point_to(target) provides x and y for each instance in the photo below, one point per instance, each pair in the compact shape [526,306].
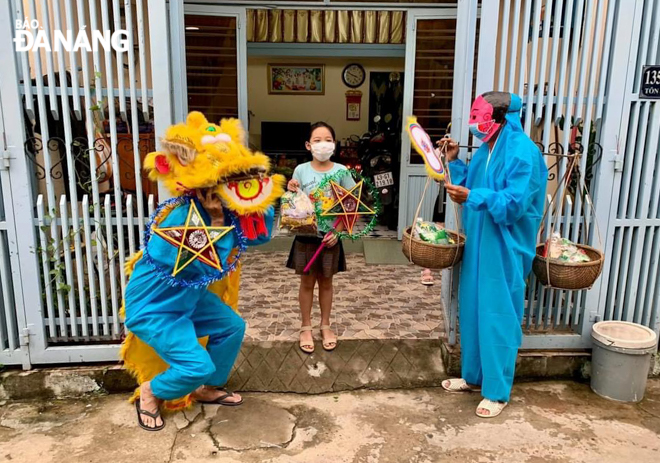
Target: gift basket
[559,262]
[431,246]
[562,264]
[424,243]
[297,214]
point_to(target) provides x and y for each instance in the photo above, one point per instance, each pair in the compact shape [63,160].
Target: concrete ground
[546,422]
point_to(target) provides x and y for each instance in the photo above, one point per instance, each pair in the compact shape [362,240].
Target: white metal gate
[630,290]
[74,200]
[77,125]
[576,64]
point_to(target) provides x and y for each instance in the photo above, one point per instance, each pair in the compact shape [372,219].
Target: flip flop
[494,408]
[141,412]
[221,400]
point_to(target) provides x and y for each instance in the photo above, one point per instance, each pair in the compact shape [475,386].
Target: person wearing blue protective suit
[502,191]
[170,318]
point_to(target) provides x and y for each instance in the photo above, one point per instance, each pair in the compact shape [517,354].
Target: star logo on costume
[348,205]
[195,240]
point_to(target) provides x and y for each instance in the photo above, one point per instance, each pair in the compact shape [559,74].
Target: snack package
[297,214]
[565,250]
[431,233]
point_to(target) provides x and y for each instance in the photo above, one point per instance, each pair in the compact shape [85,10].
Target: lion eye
[210,129]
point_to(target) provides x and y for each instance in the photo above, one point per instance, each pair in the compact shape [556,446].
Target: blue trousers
[171,324]
[491,311]
[490,337]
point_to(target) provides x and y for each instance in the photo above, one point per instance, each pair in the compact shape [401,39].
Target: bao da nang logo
[31,37]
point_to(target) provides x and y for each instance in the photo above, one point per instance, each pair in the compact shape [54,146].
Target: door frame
[409,170]
[13,306]
[179,76]
[239,11]
[22,272]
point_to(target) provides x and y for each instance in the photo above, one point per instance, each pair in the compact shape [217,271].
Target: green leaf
[63,287]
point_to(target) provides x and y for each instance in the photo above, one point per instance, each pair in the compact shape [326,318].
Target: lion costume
[180,304]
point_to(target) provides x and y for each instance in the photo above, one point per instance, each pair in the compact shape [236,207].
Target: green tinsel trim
[328,222]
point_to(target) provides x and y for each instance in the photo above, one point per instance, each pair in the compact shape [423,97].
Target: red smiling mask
[482,125]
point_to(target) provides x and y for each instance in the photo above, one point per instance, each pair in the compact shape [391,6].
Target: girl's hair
[318,125]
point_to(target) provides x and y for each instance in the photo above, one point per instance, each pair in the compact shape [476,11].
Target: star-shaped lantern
[195,240]
[348,205]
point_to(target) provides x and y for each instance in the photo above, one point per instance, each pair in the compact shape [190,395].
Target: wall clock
[353,75]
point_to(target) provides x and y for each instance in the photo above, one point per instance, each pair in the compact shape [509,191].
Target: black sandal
[221,400]
[141,412]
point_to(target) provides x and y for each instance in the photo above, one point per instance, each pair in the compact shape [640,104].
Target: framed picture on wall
[291,79]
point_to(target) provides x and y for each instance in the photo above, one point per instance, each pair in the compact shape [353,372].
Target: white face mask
[323,150]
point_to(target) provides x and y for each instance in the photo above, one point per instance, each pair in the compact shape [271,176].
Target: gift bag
[297,214]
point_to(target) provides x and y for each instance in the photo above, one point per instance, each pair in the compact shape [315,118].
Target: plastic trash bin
[621,359]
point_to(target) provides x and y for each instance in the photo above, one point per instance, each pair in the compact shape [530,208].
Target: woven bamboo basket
[433,256]
[570,276]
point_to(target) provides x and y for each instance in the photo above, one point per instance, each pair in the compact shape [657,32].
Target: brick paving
[371,301]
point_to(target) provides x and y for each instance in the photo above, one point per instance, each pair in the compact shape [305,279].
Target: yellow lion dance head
[198,154]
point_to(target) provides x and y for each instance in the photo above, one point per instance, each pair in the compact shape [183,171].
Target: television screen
[284,137]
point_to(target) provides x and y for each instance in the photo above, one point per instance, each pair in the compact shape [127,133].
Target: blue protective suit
[501,218]
[170,319]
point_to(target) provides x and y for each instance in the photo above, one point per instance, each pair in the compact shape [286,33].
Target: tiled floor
[371,301]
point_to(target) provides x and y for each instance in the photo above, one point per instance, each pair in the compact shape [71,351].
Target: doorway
[233,71]
[230,51]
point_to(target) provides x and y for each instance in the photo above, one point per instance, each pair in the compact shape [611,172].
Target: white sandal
[330,344]
[493,408]
[306,346]
[458,385]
